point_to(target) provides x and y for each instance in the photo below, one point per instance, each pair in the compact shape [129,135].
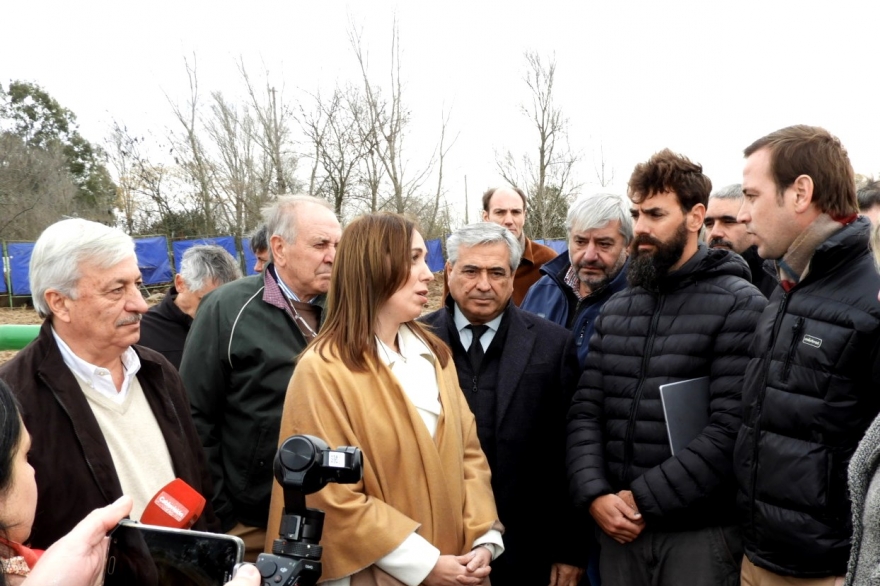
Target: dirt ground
[25,315]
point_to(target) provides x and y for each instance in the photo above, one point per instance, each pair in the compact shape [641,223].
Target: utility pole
[466,221]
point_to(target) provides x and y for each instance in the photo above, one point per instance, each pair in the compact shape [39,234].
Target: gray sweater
[864,487]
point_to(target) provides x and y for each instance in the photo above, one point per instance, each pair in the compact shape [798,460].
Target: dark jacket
[74,468]
[552,298]
[698,324]
[236,366]
[764,275]
[536,373]
[164,328]
[811,391]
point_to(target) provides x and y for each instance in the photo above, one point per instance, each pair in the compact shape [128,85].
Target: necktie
[475,352]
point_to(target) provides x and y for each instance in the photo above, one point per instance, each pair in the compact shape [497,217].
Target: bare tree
[313,124]
[230,128]
[235,155]
[435,220]
[120,145]
[603,175]
[372,172]
[332,127]
[386,123]
[546,173]
[190,152]
[274,134]
[151,195]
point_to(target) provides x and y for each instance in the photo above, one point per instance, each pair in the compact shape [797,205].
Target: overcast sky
[702,78]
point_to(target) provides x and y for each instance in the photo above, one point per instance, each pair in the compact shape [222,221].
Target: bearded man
[688,312]
[576,284]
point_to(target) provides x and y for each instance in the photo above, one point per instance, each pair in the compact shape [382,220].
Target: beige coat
[439,487]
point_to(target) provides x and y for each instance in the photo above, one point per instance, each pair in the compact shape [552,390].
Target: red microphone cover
[176,505]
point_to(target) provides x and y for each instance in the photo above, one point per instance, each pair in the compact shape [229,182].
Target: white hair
[63,247]
[733,191]
[596,211]
[480,234]
[206,264]
[280,215]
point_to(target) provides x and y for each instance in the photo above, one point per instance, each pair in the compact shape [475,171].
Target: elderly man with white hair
[106,417]
[165,326]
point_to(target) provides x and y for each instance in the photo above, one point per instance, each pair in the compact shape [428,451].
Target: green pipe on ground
[16,337]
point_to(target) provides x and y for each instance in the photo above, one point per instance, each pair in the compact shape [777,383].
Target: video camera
[304,465]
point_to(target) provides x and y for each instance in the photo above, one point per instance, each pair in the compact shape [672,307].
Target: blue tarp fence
[156,263]
[19,258]
[435,259]
[154,259]
[559,246]
[4,270]
[250,259]
[181,246]
[152,255]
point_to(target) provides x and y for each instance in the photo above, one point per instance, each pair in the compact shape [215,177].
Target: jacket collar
[842,247]
[274,296]
[704,263]
[168,309]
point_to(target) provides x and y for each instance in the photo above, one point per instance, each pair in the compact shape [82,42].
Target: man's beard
[648,268]
[596,283]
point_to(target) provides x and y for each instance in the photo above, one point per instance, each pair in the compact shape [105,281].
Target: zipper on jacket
[759,402]
[581,306]
[631,424]
[796,331]
[581,334]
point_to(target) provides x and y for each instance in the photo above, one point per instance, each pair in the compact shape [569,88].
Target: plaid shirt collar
[571,279]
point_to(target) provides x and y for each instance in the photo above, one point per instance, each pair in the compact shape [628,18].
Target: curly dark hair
[668,171]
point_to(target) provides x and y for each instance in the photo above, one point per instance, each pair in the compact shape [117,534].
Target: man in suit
[518,372]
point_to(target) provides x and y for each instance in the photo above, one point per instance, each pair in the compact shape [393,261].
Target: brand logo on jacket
[812,341]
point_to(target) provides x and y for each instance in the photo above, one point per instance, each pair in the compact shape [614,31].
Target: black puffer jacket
[810,393]
[700,323]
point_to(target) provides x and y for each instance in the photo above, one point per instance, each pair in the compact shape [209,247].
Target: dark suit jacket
[537,374]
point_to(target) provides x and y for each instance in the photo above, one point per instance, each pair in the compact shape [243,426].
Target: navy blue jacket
[552,299]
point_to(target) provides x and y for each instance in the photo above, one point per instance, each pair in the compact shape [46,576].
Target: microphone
[176,505]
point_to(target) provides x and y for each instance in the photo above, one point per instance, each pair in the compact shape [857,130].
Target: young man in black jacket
[689,312]
[811,389]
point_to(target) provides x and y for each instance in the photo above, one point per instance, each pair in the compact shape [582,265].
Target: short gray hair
[732,191]
[590,212]
[259,239]
[280,215]
[868,195]
[63,247]
[206,264]
[480,234]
